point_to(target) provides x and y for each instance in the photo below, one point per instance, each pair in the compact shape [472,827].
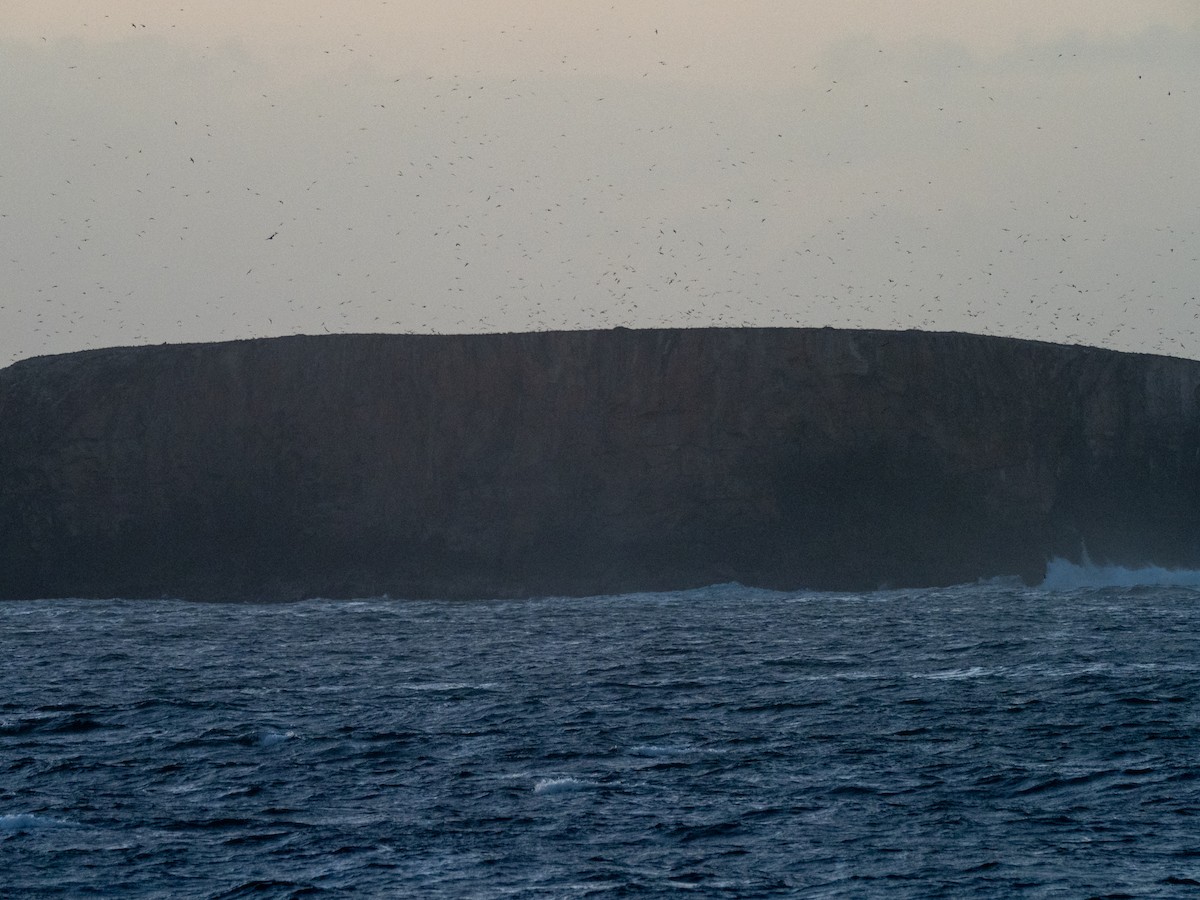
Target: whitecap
[957,674]
[561,785]
[656,750]
[1064,575]
[445,686]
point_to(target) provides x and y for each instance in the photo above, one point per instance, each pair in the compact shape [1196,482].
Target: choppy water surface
[988,741]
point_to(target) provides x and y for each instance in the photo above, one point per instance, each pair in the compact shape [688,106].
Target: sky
[182,171]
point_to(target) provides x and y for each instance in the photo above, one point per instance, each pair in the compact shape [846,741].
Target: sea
[988,740]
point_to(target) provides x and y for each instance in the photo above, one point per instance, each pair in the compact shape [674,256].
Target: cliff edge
[587,462]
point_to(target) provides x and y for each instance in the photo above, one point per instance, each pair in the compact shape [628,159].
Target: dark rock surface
[587,462]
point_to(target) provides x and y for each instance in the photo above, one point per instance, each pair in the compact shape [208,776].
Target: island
[588,462]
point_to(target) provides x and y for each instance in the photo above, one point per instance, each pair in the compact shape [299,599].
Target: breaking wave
[1064,575]
[561,785]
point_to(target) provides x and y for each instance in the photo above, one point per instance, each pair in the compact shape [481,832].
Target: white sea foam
[1063,575]
[561,785]
[957,674]
[656,750]
[446,686]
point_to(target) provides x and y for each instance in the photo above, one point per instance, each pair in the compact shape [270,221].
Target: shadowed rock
[587,462]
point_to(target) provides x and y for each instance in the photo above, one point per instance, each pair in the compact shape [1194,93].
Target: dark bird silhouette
[272,236]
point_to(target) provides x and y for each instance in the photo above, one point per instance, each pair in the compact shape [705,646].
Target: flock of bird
[417,202]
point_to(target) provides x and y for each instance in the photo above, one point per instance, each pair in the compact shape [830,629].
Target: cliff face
[587,462]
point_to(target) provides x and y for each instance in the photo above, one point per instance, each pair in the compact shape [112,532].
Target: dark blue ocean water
[984,741]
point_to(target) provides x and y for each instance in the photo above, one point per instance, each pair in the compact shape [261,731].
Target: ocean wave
[22,822]
[630,747]
[267,738]
[1064,575]
[657,750]
[561,785]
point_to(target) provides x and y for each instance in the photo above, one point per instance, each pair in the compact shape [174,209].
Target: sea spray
[1064,575]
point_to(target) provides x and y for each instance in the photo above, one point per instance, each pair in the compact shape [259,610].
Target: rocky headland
[587,462]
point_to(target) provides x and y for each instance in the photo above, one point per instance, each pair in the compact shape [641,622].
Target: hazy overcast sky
[193,171]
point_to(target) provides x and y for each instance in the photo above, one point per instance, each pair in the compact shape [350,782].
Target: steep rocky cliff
[587,462]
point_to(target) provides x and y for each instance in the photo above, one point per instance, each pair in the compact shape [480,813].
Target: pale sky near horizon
[207,171]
